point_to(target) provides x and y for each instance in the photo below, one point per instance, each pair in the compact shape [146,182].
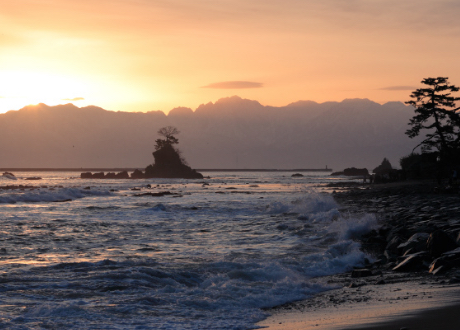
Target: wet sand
[412,303]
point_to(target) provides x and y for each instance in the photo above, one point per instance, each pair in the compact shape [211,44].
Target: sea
[168,253]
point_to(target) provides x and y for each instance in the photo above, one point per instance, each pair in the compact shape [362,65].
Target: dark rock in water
[62,200]
[34,178]
[336,173]
[282,227]
[168,164]
[353,171]
[122,175]
[361,273]
[137,174]
[440,242]
[99,175]
[297,175]
[86,175]
[158,194]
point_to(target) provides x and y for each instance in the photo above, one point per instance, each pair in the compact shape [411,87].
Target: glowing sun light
[18,89]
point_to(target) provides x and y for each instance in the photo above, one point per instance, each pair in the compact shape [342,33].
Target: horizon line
[120,169]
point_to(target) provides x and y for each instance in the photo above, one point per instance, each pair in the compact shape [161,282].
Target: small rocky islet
[168,163]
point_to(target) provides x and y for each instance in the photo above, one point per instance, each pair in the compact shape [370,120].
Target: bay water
[167,253]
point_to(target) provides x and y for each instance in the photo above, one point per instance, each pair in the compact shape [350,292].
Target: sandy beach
[387,299]
[412,303]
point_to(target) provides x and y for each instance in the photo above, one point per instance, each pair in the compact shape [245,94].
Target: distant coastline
[120,169]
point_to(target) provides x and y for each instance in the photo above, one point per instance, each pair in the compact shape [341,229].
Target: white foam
[354,227]
[61,194]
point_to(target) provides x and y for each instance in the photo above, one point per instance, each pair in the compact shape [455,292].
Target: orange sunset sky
[143,55]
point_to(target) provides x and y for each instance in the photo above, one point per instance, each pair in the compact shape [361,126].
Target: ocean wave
[40,196]
[311,202]
[224,295]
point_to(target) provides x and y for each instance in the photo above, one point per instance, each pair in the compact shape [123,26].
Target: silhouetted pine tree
[436,112]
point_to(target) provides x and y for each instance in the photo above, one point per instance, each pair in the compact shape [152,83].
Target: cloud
[74,99]
[398,88]
[234,85]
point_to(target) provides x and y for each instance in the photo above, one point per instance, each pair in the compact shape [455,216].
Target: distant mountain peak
[229,105]
[358,100]
[180,111]
[302,103]
[236,100]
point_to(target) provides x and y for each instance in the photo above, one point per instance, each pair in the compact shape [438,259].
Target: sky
[144,55]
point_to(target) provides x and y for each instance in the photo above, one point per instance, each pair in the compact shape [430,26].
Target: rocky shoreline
[420,227]
[408,271]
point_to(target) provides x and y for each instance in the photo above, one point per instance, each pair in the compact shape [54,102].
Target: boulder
[439,242]
[297,175]
[393,244]
[416,243]
[413,262]
[445,262]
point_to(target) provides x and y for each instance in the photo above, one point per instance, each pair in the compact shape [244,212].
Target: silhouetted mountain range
[230,133]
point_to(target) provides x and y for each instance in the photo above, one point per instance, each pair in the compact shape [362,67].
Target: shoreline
[387,299]
[406,303]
